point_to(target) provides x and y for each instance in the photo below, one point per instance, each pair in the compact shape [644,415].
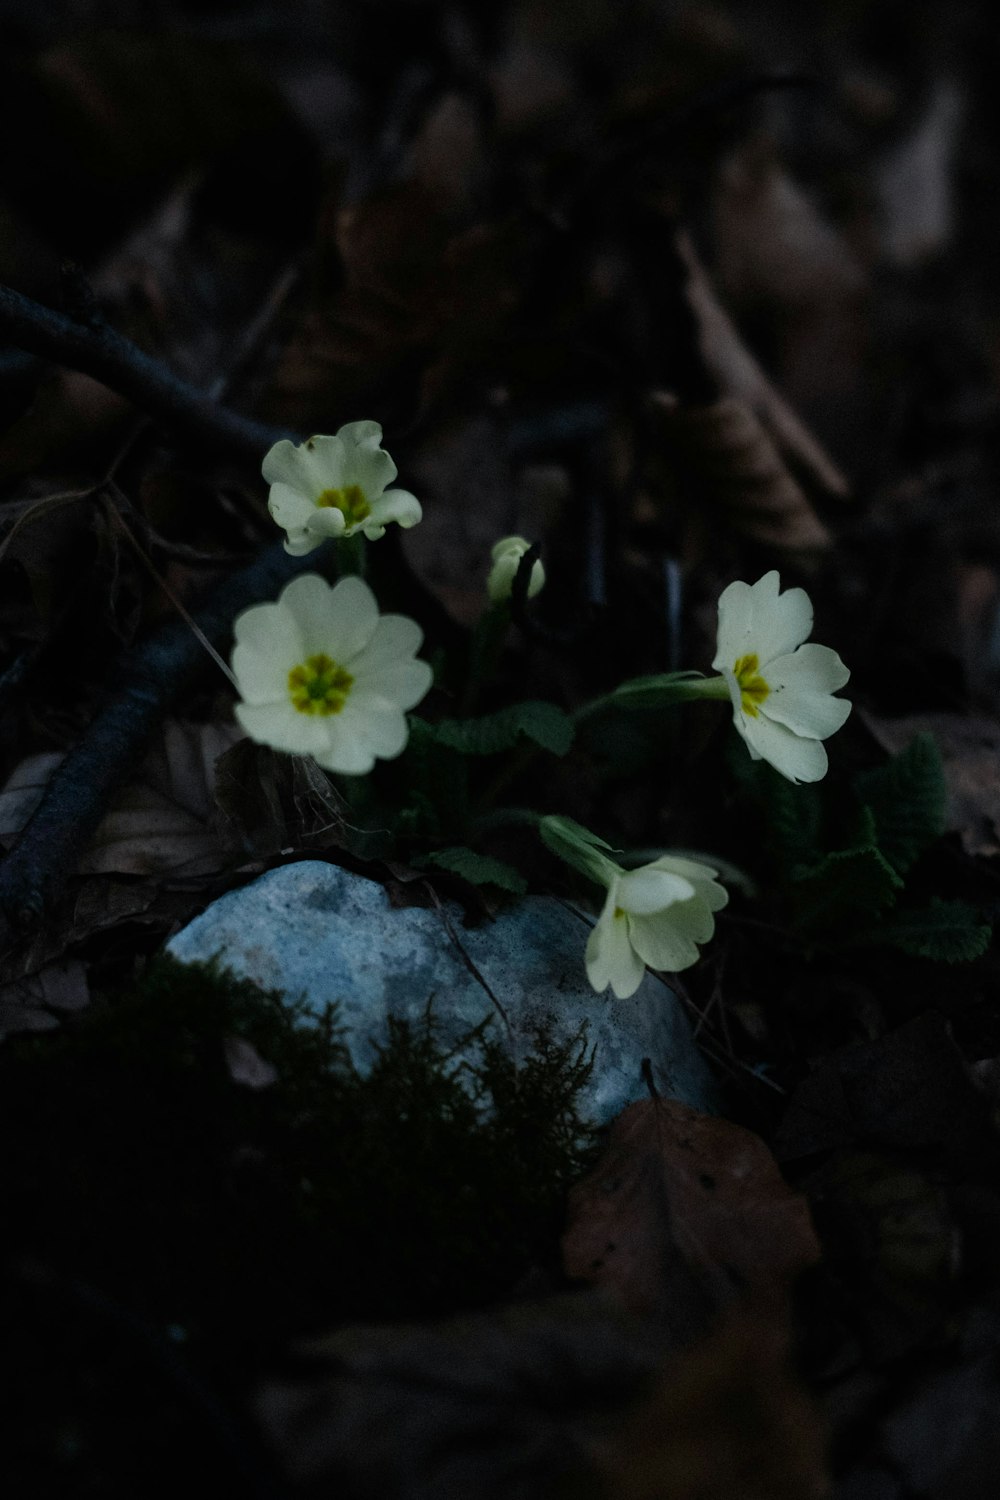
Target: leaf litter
[800,373]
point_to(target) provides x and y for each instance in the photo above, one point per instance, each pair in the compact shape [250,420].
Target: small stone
[319,933]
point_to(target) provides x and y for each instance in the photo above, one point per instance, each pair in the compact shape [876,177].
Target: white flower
[506,556]
[781,690]
[335,486]
[321,673]
[656,915]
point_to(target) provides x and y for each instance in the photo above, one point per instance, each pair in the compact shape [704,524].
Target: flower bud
[506,556]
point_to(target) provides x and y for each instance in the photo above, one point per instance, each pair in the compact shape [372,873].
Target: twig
[149,680]
[100,351]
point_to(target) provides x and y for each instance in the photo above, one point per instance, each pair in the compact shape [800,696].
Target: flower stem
[351,556]
[488,638]
[661,691]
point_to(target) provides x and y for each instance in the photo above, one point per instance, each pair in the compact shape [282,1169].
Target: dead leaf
[725,1420]
[28,1004]
[675,1184]
[271,802]
[907,1089]
[246,1066]
[889,1237]
[739,374]
[916,182]
[399,292]
[161,822]
[970,751]
[730,463]
[496,1405]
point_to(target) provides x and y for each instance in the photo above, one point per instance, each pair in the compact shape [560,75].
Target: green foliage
[842,884]
[906,797]
[951,932]
[477,869]
[543,723]
[795,815]
[844,870]
[420,1188]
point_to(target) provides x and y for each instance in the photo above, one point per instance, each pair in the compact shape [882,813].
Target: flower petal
[343,751]
[797,758]
[378,725]
[365,463]
[339,620]
[395,505]
[649,889]
[290,464]
[801,687]
[404,683]
[702,877]
[269,631]
[326,521]
[279,725]
[396,638]
[289,507]
[262,677]
[755,619]
[609,955]
[661,941]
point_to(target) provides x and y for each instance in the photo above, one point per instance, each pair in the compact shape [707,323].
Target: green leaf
[832,892]
[950,932]
[794,815]
[477,869]
[539,721]
[907,799]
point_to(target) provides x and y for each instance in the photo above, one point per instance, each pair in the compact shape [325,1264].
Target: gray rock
[317,932]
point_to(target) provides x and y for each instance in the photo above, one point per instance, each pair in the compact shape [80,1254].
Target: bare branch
[97,349]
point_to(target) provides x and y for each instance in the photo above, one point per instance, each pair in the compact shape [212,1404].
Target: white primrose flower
[322,673]
[655,915]
[334,487]
[506,555]
[781,690]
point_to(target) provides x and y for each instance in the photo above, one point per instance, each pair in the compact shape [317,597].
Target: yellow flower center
[753,688]
[319,685]
[350,501]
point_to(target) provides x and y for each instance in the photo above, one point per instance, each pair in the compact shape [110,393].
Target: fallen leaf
[677,1186]
[271,802]
[498,1405]
[891,1242]
[245,1064]
[34,1003]
[970,751]
[909,1088]
[730,463]
[740,375]
[725,1419]
[160,823]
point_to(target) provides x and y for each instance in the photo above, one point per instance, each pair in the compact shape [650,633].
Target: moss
[231,1219]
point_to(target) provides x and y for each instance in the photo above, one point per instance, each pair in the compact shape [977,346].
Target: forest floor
[680,294]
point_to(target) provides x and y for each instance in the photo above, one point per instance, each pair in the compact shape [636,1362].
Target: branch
[96,349]
[149,680]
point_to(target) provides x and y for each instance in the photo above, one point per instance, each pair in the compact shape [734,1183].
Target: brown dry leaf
[496,1404]
[270,802]
[730,462]
[677,1186]
[970,752]
[161,822]
[740,375]
[724,1421]
[406,292]
[28,1004]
